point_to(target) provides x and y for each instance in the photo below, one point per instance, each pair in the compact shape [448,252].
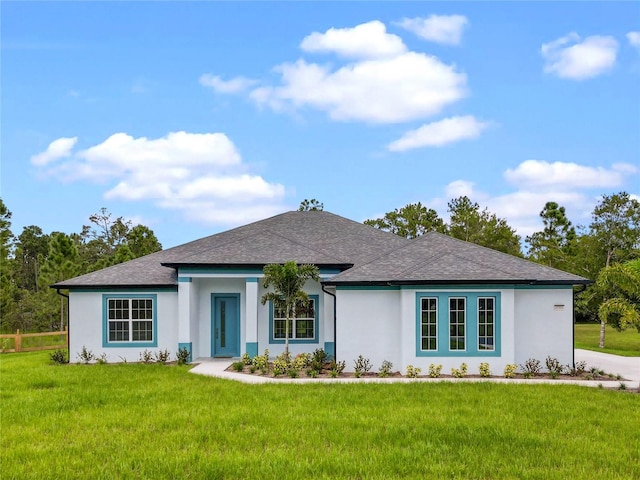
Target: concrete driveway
[628,367]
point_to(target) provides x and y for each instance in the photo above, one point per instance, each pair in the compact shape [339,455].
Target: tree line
[33,260]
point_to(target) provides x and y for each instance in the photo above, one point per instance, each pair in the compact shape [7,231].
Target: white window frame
[457,324]
[130,320]
[428,324]
[485,324]
[293,330]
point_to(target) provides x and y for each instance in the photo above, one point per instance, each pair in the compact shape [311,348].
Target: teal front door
[225,325]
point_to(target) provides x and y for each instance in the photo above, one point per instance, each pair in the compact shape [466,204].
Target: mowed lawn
[154,421]
[626,343]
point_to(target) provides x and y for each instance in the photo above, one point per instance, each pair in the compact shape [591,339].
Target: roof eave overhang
[115,287]
[330,282]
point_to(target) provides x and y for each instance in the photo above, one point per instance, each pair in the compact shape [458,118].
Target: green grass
[626,343]
[154,421]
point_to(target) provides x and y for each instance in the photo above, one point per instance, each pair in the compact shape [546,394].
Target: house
[433,299]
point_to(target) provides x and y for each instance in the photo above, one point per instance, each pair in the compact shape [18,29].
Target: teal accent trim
[367,287]
[272,340]
[330,348]
[105,321]
[471,325]
[242,271]
[187,346]
[486,287]
[252,279]
[213,323]
[251,348]
[185,279]
[131,290]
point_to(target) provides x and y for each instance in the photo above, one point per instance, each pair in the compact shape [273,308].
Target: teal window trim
[273,341]
[471,324]
[105,320]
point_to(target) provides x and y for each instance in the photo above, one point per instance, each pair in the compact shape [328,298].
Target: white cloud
[570,58]
[367,40]
[398,89]
[634,39]
[445,29]
[190,172]
[440,133]
[56,150]
[538,173]
[234,85]
[538,182]
[459,188]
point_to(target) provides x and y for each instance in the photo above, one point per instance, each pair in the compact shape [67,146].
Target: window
[429,323]
[303,327]
[486,323]
[129,320]
[457,315]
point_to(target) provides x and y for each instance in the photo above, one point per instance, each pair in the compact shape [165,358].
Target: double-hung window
[302,327]
[129,320]
[486,323]
[429,323]
[457,320]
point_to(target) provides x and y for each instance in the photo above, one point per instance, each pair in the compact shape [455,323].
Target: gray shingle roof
[320,238]
[437,258]
[325,239]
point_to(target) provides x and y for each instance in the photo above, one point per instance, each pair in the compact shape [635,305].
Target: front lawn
[155,421]
[626,343]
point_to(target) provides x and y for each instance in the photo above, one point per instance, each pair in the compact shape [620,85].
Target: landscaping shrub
[182,356]
[237,366]
[413,372]
[302,361]
[385,369]
[531,368]
[319,359]
[459,372]
[312,373]
[485,371]
[246,359]
[338,367]
[554,366]
[293,373]
[435,370]
[146,356]
[162,356]
[59,357]
[102,359]
[510,370]
[361,365]
[86,355]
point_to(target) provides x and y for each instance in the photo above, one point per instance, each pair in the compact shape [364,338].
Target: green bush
[413,372]
[59,357]
[385,369]
[182,356]
[312,373]
[293,373]
[237,366]
[361,365]
[338,367]
[302,361]
[102,359]
[319,359]
[146,356]
[531,368]
[162,356]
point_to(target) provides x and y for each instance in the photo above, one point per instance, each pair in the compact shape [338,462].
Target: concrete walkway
[628,367]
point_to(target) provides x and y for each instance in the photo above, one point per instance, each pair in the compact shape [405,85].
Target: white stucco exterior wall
[544,325]
[368,324]
[86,325]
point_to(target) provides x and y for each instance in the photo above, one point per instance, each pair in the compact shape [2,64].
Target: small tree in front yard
[288,281]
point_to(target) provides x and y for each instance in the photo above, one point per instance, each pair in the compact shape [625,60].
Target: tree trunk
[602,325]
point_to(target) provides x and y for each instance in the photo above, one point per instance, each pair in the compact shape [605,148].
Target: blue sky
[192,118]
